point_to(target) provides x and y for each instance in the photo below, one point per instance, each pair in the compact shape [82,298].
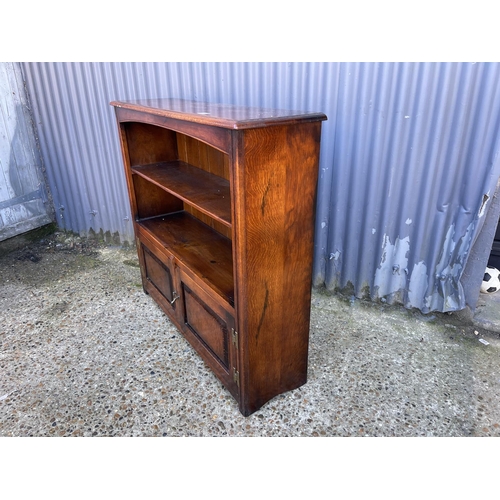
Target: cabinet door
[159,280]
[208,324]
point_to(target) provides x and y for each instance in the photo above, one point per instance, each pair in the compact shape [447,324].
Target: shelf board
[207,192]
[201,249]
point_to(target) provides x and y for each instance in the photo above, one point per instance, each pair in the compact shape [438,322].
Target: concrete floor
[84,352]
[487,313]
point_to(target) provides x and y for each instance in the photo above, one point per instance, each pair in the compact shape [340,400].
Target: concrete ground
[487,313]
[84,352]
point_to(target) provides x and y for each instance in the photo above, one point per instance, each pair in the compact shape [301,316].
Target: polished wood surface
[152,200]
[159,275]
[198,247]
[275,199]
[206,325]
[204,191]
[216,137]
[208,328]
[149,144]
[219,115]
[223,199]
[203,156]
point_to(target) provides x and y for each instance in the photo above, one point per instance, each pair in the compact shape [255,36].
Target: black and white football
[491,280]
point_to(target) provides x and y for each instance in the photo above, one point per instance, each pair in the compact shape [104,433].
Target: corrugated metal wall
[409,158]
[415,157]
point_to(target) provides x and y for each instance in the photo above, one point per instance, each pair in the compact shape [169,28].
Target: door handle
[175,297]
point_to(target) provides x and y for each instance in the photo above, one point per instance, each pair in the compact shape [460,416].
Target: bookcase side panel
[276,188]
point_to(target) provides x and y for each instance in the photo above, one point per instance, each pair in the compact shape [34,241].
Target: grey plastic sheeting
[409,158]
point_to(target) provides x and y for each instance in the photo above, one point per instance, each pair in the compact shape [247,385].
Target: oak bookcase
[223,200]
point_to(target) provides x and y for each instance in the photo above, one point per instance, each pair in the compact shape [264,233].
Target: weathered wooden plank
[22,186]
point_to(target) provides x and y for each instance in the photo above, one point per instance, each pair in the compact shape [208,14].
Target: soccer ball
[491,280]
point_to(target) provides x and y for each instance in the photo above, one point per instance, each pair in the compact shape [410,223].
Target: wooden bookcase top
[219,115]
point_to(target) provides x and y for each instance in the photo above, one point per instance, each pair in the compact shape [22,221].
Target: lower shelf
[202,250]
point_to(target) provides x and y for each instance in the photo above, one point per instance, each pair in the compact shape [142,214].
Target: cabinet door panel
[210,328]
[159,276]
[208,324]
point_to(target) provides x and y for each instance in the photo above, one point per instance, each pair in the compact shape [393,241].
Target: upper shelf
[219,115]
[207,192]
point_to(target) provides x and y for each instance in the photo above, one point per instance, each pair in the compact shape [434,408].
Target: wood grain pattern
[208,193]
[150,144]
[223,368]
[206,325]
[159,275]
[207,253]
[146,144]
[216,137]
[275,195]
[151,200]
[223,229]
[203,156]
[218,115]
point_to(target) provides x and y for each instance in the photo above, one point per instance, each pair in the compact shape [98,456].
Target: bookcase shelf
[206,192]
[197,247]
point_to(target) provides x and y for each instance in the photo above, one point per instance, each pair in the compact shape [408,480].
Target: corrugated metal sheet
[415,165]
[409,158]
[23,192]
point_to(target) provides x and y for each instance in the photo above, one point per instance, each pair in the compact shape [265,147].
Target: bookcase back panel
[217,226]
[203,156]
[152,201]
[149,143]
